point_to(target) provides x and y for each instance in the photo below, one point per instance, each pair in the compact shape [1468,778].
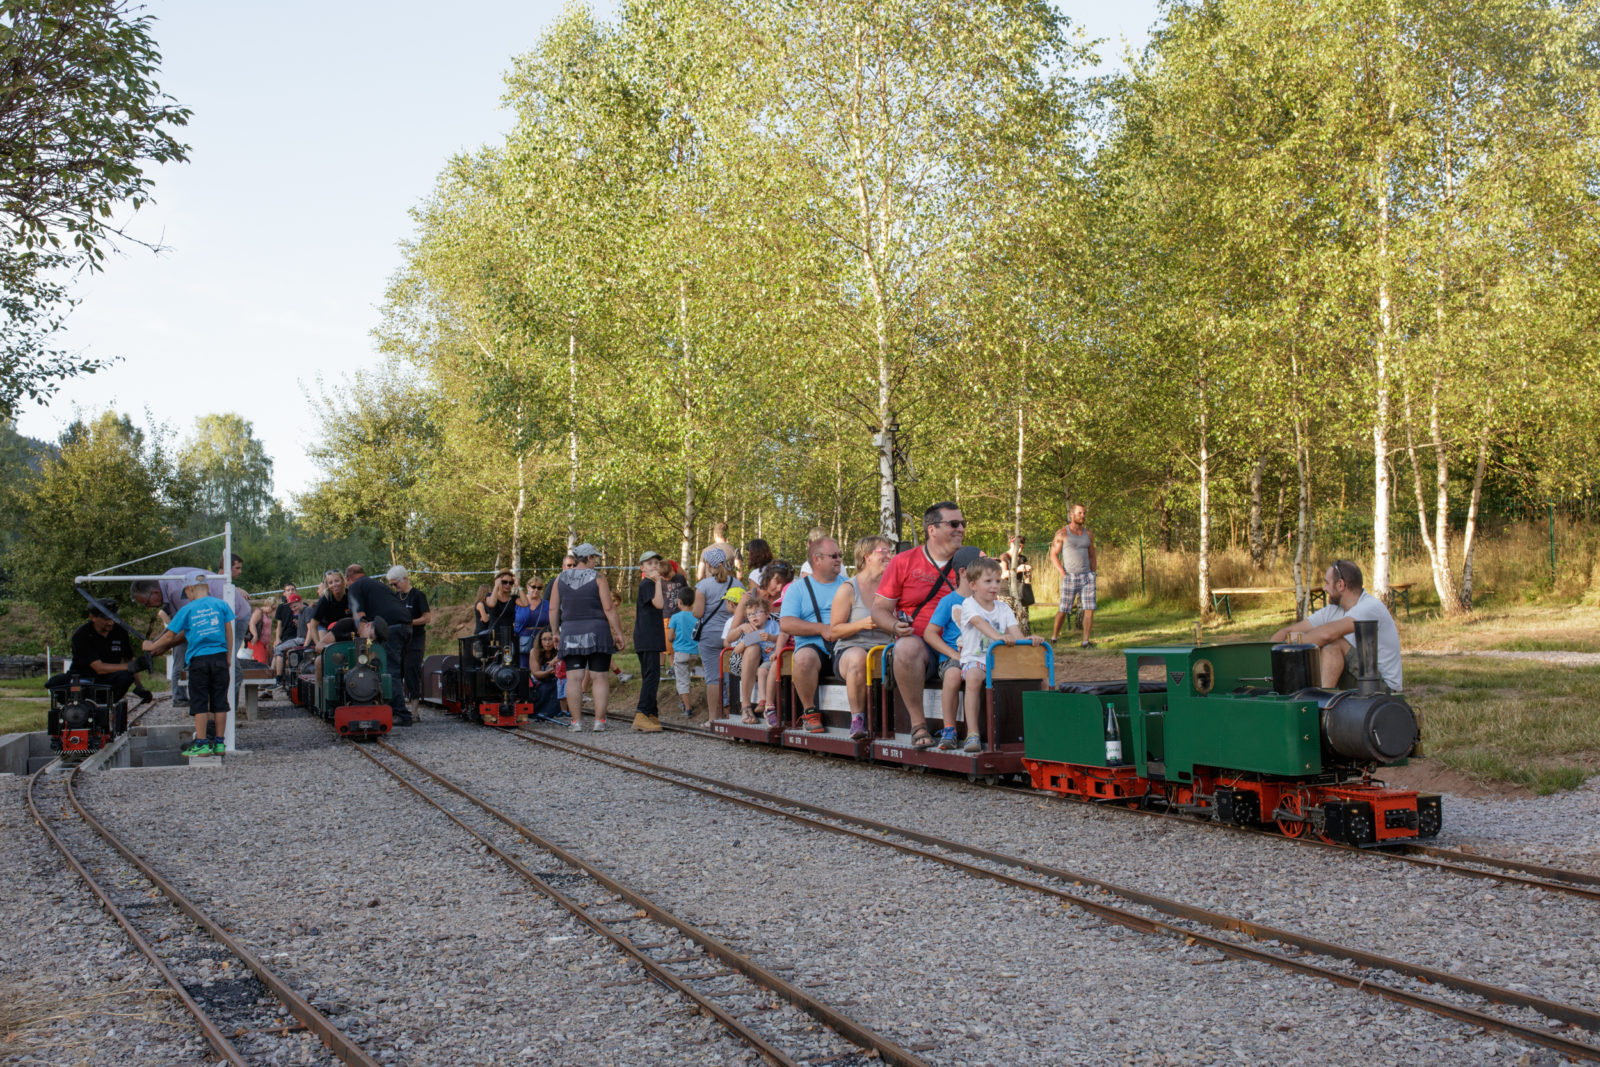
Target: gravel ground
[429,951]
[1520,938]
[415,942]
[907,942]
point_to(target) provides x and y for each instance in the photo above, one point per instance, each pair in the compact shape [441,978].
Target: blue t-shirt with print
[943,620]
[797,605]
[204,623]
[683,625]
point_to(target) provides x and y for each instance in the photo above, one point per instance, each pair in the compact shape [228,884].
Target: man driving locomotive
[105,653]
[1333,629]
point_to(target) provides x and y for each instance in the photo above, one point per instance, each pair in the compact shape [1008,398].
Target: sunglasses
[832,555]
[954,524]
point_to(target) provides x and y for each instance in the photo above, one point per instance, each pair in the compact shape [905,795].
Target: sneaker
[688,713]
[196,748]
[858,727]
[812,720]
[645,724]
[180,701]
[772,717]
[576,725]
[974,744]
[1086,644]
[599,726]
[144,695]
[218,746]
[947,739]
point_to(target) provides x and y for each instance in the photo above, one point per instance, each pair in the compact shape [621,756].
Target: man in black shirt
[371,600]
[103,652]
[649,640]
[416,602]
[283,619]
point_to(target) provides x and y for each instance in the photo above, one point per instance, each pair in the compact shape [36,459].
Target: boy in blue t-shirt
[684,647]
[942,635]
[207,622]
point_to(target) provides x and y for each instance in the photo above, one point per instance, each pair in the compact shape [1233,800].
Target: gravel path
[910,943]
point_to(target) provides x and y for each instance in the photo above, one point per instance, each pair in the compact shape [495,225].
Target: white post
[238,625]
[47,663]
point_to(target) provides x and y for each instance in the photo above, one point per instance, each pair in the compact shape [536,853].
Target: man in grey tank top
[1072,556]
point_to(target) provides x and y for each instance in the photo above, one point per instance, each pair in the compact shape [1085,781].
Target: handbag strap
[816,609]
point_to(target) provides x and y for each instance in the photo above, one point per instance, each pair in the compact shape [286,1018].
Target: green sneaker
[218,746]
[196,748]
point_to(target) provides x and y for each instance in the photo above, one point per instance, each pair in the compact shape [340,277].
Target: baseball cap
[197,578]
[584,551]
[964,556]
[650,555]
[396,573]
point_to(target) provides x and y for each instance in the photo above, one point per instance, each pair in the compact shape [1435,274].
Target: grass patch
[1535,725]
[24,630]
[22,716]
[17,686]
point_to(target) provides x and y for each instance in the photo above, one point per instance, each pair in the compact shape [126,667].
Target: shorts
[681,663]
[947,664]
[1076,587]
[593,661]
[208,684]
[826,670]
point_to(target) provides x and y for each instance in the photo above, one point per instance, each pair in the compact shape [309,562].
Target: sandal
[920,737]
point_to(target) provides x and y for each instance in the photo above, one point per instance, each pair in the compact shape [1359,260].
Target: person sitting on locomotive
[775,578]
[205,628]
[912,586]
[330,619]
[1348,603]
[584,616]
[986,621]
[753,641]
[372,601]
[499,609]
[807,616]
[855,630]
[103,653]
[943,635]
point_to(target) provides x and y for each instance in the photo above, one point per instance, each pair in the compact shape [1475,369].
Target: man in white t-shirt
[1333,629]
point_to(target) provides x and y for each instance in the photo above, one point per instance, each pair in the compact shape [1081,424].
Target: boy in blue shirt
[684,647]
[943,635]
[207,623]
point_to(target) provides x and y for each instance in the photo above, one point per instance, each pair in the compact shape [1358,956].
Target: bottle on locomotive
[1113,737]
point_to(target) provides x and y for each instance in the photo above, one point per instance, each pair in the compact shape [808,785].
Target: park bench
[252,680]
[1222,599]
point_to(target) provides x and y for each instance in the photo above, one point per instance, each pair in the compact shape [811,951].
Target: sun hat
[714,556]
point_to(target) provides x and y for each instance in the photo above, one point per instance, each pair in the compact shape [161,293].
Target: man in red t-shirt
[911,587]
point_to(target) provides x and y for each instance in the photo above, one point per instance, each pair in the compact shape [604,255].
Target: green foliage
[227,470]
[80,117]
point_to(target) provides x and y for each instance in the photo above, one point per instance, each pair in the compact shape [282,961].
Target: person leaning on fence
[855,631]
[582,613]
[1333,629]
[205,627]
[807,617]
[911,588]
[649,640]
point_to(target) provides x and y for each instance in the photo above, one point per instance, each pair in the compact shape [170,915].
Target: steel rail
[214,1037]
[338,1042]
[848,1028]
[774,804]
[1513,872]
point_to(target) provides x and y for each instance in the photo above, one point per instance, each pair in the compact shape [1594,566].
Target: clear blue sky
[316,126]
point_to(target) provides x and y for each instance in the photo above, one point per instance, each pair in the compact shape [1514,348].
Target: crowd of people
[940,605]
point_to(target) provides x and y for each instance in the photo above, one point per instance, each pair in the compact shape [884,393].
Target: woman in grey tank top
[852,639]
[583,613]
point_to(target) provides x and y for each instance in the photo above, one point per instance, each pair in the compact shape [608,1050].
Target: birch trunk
[1302,529]
[1258,533]
[686,377]
[1469,535]
[1205,504]
[572,443]
[516,516]
[1016,510]
[1380,422]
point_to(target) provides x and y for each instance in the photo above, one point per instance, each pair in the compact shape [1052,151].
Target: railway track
[1392,979]
[1467,864]
[774,1017]
[237,1001]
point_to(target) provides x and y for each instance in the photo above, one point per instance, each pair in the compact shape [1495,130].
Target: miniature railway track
[1467,864]
[1189,923]
[232,1010]
[721,982]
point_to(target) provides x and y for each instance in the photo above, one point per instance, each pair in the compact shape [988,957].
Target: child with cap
[207,622]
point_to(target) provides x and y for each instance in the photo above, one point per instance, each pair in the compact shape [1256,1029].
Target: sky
[316,127]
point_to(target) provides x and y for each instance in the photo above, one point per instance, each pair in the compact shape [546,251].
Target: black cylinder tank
[501,676]
[1378,728]
[1294,667]
[77,715]
[362,684]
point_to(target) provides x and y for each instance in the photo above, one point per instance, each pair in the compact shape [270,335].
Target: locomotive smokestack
[1368,681]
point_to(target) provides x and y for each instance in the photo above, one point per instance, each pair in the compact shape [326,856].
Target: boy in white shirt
[986,621]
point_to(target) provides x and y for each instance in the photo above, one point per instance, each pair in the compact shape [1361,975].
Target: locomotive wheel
[1292,827]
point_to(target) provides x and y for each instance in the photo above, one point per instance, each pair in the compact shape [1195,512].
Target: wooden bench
[1401,592]
[251,681]
[1222,599]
